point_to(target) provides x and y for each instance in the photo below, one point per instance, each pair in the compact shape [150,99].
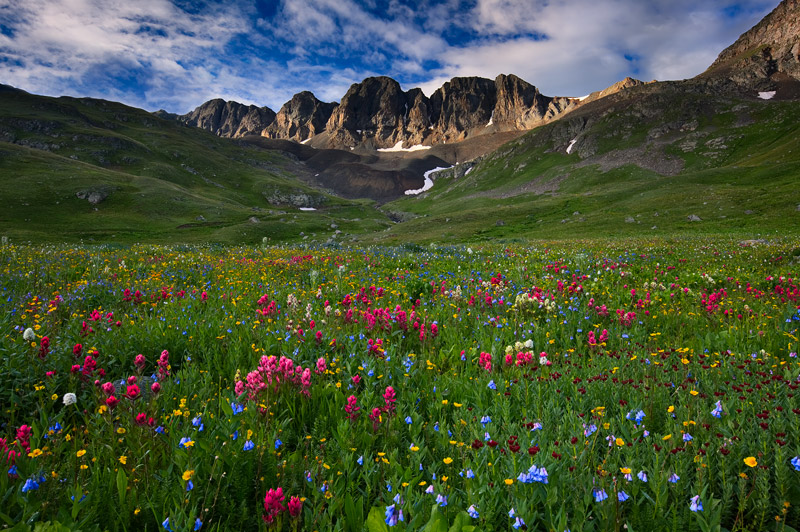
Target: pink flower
[375,417]
[273,504]
[23,436]
[321,365]
[389,400]
[139,362]
[44,347]
[108,388]
[295,506]
[156,387]
[132,392]
[141,418]
[77,349]
[351,408]
[112,401]
[485,361]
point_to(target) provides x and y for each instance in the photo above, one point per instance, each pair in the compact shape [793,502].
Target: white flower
[70,399]
[529,344]
[29,335]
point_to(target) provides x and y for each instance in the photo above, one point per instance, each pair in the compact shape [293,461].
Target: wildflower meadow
[585,385]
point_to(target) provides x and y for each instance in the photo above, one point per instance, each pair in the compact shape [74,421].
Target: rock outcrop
[300,118]
[230,119]
[375,110]
[378,113]
[769,50]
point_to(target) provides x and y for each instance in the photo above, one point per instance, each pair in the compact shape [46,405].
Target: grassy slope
[160,176]
[741,156]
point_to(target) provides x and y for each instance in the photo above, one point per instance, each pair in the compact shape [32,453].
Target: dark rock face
[378,113]
[769,50]
[230,119]
[374,109]
[300,118]
[462,105]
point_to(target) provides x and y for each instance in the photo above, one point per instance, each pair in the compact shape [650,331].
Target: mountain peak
[770,50]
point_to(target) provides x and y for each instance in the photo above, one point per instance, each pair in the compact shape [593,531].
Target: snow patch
[428,181]
[307,208]
[399,147]
[768,95]
[571,144]
[468,171]
[491,120]
[304,141]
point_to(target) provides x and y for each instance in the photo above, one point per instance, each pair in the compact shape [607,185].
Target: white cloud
[587,41]
[151,54]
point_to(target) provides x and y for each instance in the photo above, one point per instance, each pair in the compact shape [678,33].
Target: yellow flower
[668,436]
[671,409]
[694,392]
[123,459]
[620,442]
[54,396]
[606,425]
[187,475]
[750,461]
[448,460]
[35,453]
[81,453]
[414,448]
[625,470]
[137,511]
[509,481]
[743,474]
[121,430]
[84,466]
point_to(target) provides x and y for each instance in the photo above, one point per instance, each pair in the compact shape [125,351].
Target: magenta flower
[295,506]
[351,408]
[273,504]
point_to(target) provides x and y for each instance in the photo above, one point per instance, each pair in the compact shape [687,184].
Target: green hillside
[643,161]
[158,181]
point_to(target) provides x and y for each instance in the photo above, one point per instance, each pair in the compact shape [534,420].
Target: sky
[177,54]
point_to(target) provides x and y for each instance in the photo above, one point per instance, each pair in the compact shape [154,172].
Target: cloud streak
[162,54]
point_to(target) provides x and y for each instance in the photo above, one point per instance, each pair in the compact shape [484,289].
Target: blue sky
[176,54]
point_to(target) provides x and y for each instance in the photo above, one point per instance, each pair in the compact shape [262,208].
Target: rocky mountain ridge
[768,53]
[229,119]
[378,114]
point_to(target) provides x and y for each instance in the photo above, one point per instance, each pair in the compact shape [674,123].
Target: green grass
[172,183]
[732,169]
[167,182]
